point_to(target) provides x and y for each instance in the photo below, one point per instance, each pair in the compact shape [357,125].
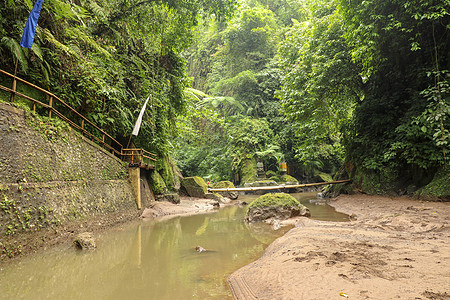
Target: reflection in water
[319,208]
[151,260]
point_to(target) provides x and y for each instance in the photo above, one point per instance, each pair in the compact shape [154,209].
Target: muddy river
[152,260]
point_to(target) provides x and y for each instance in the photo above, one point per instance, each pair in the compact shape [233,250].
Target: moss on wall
[50,175]
[38,149]
[248,170]
[157,183]
[438,188]
[169,173]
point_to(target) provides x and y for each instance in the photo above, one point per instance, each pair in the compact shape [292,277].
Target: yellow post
[14,86]
[50,103]
[135,178]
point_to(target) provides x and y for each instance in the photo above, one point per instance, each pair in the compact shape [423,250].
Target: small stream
[152,260]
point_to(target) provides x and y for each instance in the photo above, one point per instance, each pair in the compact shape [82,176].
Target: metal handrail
[51,109]
[138,156]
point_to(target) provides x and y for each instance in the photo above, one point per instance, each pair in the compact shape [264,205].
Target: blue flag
[30,27]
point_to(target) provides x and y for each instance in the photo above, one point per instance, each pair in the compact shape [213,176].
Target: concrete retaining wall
[50,175]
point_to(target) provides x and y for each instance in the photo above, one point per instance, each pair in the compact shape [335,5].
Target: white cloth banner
[137,126]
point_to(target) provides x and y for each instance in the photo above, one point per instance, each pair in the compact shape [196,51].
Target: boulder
[174,198]
[217,197]
[200,249]
[195,186]
[85,241]
[226,185]
[288,180]
[278,206]
[157,182]
[261,183]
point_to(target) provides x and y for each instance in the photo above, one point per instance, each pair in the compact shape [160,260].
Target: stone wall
[51,175]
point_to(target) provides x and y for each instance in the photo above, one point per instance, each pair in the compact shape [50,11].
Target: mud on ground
[397,248]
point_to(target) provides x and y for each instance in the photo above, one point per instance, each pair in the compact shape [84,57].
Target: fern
[29,4]
[228,104]
[13,46]
[98,11]
[48,36]
[82,37]
[194,94]
[37,51]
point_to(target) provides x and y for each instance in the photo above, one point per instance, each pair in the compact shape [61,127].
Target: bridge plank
[276,187]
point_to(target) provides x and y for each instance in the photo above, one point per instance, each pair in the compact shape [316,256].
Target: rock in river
[279,206]
[85,241]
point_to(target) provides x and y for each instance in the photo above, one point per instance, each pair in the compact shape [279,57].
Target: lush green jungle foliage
[313,82]
[104,57]
[322,82]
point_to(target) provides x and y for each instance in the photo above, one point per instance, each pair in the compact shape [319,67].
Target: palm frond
[82,37]
[194,94]
[37,51]
[17,52]
[48,36]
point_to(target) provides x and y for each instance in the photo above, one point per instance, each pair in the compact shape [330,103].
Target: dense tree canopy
[317,83]
[105,57]
[359,81]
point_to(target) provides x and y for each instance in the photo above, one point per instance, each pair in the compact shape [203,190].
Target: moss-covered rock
[166,168]
[270,173]
[217,197]
[438,188]
[278,206]
[177,177]
[85,241]
[226,185]
[222,185]
[275,178]
[158,184]
[275,200]
[174,198]
[195,186]
[288,179]
[260,183]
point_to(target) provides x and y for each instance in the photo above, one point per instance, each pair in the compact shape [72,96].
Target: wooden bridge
[282,187]
[55,106]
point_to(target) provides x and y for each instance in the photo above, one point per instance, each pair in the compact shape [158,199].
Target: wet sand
[187,206]
[396,248]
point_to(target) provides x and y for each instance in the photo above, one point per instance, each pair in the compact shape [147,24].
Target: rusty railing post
[14,86]
[50,103]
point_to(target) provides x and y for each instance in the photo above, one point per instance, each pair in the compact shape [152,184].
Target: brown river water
[152,260]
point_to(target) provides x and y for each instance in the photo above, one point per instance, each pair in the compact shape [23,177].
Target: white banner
[137,126]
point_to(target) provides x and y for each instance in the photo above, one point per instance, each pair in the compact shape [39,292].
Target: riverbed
[394,248]
[152,259]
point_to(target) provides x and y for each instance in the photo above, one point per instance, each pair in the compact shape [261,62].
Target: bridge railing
[139,157]
[55,106]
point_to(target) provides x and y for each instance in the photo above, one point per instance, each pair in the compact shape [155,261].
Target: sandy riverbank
[187,206]
[397,248]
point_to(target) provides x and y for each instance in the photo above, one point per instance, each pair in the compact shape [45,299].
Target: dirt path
[395,249]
